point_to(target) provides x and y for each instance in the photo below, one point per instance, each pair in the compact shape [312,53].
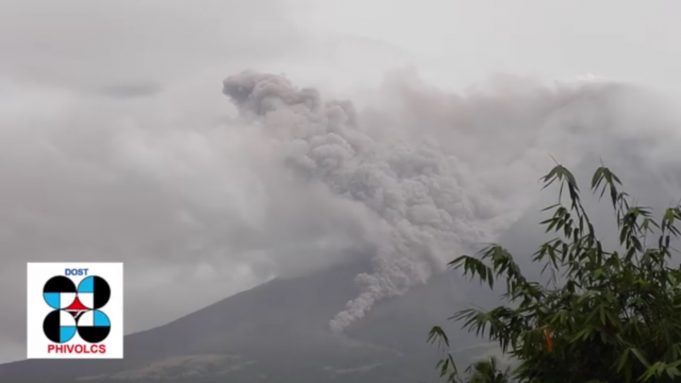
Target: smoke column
[414,189]
[428,202]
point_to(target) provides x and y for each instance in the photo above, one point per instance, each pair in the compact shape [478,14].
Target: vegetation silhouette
[604,315]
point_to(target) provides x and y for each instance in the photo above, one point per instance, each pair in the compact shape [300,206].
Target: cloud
[196,207]
[200,202]
[116,144]
[132,90]
[432,199]
[78,45]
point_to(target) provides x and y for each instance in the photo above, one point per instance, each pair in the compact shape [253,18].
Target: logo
[75,310]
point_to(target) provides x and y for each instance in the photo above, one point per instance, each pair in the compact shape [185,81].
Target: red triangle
[76,306]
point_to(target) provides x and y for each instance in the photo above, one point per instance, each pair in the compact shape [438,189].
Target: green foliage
[605,316]
[486,371]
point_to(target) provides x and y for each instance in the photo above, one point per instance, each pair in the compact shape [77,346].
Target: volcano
[279,332]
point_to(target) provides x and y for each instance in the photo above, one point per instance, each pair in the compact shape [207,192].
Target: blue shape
[101,319]
[87,285]
[52,299]
[66,333]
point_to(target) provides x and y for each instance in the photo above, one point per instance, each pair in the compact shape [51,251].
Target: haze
[117,143]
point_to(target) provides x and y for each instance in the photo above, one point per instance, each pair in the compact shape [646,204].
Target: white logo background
[37,309]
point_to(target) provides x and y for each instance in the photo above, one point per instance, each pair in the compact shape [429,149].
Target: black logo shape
[76,309]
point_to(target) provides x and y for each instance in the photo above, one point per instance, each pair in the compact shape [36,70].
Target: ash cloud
[201,203]
[430,202]
[414,189]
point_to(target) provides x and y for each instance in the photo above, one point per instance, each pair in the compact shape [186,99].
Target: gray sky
[116,142]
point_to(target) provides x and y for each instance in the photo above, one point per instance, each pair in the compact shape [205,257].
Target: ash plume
[435,199]
[429,208]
